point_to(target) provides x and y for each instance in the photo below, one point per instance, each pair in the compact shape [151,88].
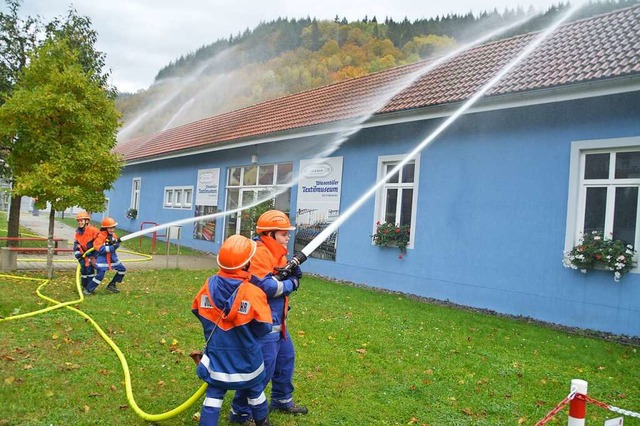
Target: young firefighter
[82,245]
[277,347]
[106,244]
[234,314]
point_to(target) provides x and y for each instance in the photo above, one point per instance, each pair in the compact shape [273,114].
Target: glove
[118,240]
[78,256]
[107,242]
[295,281]
[296,272]
[196,356]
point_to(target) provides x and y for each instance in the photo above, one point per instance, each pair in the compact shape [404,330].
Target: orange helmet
[108,222]
[273,220]
[83,215]
[235,252]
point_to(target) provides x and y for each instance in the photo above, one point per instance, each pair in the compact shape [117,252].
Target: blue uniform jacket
[232,357]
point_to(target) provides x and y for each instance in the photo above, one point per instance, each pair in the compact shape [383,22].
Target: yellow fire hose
[125,367]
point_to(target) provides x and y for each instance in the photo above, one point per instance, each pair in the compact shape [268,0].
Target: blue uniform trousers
[101,272]
[87,272]
[253,398]
[279,359]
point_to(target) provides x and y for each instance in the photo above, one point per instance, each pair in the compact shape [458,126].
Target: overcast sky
[140,37]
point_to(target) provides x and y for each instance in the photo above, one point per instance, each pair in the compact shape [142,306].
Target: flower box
[596,252]
[391,235]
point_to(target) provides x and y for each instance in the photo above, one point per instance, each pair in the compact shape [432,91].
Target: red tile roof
[599,48]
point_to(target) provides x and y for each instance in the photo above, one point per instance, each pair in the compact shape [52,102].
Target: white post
[578,406]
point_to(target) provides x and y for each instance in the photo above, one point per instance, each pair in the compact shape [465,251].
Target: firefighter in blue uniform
[272,231]
[234,314]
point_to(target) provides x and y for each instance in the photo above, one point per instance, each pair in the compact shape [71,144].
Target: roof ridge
[579,51]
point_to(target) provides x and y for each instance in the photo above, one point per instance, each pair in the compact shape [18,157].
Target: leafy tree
[82,39]
[64,124]
[18,37]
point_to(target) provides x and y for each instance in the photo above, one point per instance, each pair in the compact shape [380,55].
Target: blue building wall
[492,208]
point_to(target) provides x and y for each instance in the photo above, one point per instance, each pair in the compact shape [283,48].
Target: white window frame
[577,188]
[136,186]
[258,189]
[381,193]
[177,197]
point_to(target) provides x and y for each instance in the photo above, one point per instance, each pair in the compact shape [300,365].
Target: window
[249,184]
[397,198]
[135,193]
[603,190]
[178,197]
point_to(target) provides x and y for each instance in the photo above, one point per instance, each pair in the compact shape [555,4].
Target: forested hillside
[291,55]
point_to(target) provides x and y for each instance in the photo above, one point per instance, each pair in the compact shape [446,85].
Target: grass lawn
[363,358]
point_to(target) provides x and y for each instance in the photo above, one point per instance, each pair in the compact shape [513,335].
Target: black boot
[263,422]
[292,409]
[112,288]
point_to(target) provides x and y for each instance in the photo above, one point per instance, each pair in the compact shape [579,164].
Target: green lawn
[363,358]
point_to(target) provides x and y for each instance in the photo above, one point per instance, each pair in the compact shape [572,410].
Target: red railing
[154,236]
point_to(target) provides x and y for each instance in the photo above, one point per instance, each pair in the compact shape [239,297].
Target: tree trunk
[13,227]
[52,222]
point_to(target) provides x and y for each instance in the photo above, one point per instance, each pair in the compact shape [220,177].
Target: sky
[139,37]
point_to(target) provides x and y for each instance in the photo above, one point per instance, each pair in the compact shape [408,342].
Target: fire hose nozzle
[297,259]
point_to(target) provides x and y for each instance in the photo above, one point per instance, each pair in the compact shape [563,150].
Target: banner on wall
[206,203]
[319,189]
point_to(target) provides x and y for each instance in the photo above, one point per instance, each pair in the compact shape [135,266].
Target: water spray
[301,256]
[344,134]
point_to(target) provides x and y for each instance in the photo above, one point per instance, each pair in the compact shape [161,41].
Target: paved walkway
[39,225]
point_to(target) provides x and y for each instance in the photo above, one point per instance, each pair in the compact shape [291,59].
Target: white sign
[207,188]
[319,189]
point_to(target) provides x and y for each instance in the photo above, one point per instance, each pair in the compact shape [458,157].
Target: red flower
[397,230]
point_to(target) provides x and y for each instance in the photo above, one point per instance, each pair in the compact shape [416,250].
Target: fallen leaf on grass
[94,394]
[412,421]
[27,367]
[86,409]
[48,393]
[9,380]
[361,351]
[70,366]
[8,357]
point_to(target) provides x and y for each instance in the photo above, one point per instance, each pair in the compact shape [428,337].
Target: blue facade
[491,212]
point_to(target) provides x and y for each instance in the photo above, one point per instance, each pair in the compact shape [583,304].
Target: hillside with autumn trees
[287,56]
